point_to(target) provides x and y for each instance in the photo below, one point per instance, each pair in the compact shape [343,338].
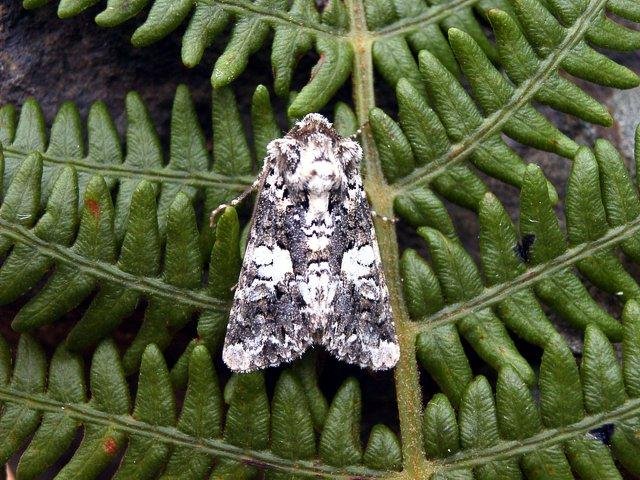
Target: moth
[311,272]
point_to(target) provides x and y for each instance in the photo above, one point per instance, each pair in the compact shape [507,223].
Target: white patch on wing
[385,356]
[272,262]
[240,357]
[358,262]
[317,243]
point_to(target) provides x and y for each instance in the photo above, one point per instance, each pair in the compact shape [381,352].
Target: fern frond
[503,435]
[396,30]
[549,257]
[148,245]
[159,442]
[187,165]
[513,433]
[458,96]
[599,189]
[507,109]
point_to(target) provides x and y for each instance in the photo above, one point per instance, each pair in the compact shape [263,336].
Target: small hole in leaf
[603,433]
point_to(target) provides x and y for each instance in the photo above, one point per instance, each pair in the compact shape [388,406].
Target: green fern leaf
[81,224]
[149,433]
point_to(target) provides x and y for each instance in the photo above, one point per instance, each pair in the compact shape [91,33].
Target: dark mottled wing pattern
[361,331]
[312,269]
[266,326]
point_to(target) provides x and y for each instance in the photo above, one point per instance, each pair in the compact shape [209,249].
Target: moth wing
[266,326]
[361,330]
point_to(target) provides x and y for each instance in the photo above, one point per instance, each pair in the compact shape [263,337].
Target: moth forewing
[311,272]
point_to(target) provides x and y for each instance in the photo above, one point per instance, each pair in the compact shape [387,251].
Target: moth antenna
[358,132]
[220,208]
[236,201]
[384,218]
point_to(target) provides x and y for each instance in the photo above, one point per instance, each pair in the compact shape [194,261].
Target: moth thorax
[318,171]
[320,176]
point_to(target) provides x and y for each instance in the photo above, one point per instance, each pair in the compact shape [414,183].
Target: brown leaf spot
[110,446]
[93,206]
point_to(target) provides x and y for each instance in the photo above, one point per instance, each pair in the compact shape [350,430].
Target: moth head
[314,125]
[314,156]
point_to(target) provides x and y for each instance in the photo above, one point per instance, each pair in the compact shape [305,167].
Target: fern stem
[163,175]
[521,96]
[546,438]
[407,380]
[432,15]
[408,392]
[492,295]
[110,273]
[217,448]
[275,16]
[363,88]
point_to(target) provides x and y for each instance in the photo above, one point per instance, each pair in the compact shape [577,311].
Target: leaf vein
[170,435]
[492,295]
[160,175]
[110,273]
[546,438]
[523,94]
[274,16]
[432,15]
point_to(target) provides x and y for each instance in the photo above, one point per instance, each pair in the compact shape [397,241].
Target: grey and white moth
[311,272]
